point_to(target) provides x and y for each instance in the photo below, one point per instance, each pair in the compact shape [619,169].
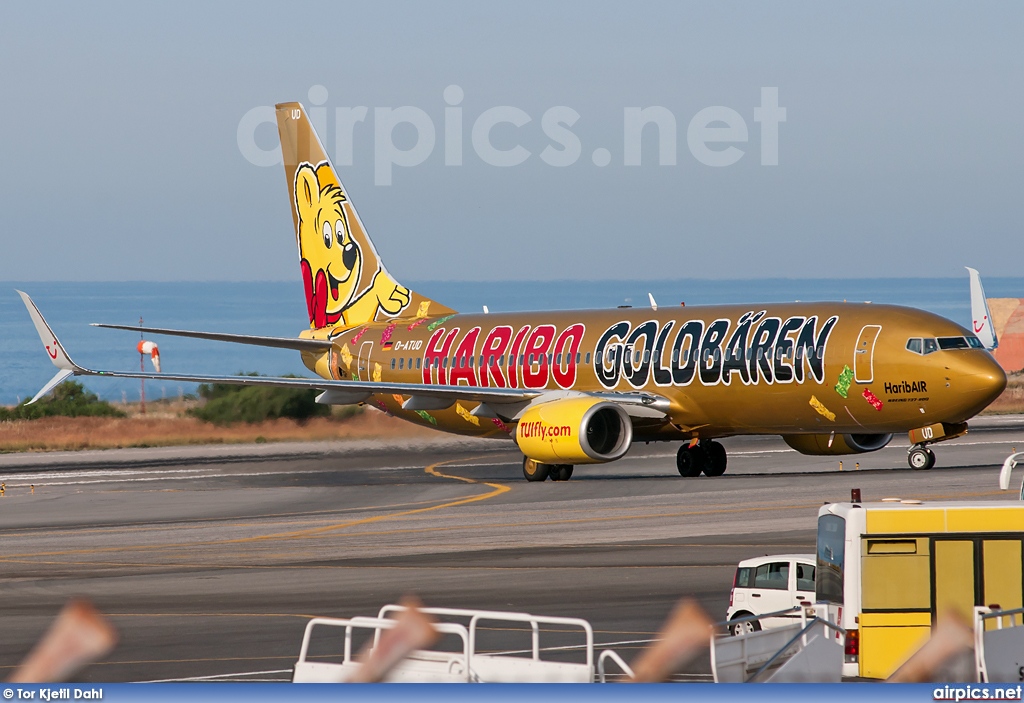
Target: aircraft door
[864,354]
[363,363]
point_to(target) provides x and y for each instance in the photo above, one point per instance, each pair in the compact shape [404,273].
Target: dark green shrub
[227,403]
[69,399]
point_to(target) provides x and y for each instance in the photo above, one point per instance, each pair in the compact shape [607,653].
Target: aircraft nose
[981,380]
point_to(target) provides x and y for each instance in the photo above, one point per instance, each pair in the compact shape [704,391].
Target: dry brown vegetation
[165,425]
[1012,399]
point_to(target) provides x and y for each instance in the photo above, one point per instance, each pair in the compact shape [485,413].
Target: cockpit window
[929,345]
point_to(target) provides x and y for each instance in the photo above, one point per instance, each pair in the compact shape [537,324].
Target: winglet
[54,349]
[981,317]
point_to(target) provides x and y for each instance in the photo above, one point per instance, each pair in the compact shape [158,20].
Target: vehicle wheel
[921,458]
[535,471]
[717,459]
[743,628]
[561,472]
[690,461]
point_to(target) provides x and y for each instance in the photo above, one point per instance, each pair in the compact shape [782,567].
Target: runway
[210,562]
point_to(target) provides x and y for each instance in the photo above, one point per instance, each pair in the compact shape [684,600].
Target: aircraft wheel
[561,472]
[690,461]
[716,459]
[921,458]
[535,471]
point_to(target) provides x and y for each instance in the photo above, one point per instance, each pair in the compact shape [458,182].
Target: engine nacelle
[841,444]
[578,430]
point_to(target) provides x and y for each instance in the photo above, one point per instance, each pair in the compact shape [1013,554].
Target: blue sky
[901,154]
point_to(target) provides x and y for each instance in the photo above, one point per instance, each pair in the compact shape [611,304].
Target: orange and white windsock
[150,348]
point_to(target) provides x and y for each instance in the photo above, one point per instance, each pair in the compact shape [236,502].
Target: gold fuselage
[794,368]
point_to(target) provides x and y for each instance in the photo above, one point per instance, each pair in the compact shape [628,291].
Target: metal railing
[808,618]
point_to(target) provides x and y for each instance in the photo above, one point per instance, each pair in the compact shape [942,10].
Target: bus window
[774,575]
[828,583]
[895,574]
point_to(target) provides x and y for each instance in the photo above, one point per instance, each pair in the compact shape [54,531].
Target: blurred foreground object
[413,631]
[687,631]
[951,639]
[79,636]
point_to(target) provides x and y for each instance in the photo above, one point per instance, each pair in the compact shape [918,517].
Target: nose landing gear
[921,458]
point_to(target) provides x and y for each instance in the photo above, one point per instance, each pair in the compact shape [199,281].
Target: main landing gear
[535,471]
[707,456]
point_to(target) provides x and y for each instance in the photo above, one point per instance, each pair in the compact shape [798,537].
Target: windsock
[153,351]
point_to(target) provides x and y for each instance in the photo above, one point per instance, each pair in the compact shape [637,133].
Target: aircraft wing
[297,343]
[422,396]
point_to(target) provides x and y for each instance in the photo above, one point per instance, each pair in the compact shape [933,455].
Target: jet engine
[841,443]
[579,430]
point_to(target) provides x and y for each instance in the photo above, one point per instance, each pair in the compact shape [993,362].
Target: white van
[768,584]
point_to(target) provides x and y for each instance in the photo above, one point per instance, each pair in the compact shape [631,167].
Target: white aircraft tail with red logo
[981,323]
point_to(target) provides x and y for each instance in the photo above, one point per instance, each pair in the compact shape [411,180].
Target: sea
[277,308]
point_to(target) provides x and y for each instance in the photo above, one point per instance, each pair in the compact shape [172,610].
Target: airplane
[580,387]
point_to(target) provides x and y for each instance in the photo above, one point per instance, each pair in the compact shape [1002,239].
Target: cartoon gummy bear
[332,261]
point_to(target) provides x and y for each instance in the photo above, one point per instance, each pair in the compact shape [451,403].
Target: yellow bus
[887,569]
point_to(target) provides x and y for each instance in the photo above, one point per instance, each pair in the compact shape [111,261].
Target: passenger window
[772,576]
[392,364]
[471,360]
[558,359]
[588,358]
[914,345]
[804,577]
[401,363]
[743,577]
[418,363]
[930,345]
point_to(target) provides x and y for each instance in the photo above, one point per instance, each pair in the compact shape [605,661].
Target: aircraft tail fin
[346,283]
[981,317]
